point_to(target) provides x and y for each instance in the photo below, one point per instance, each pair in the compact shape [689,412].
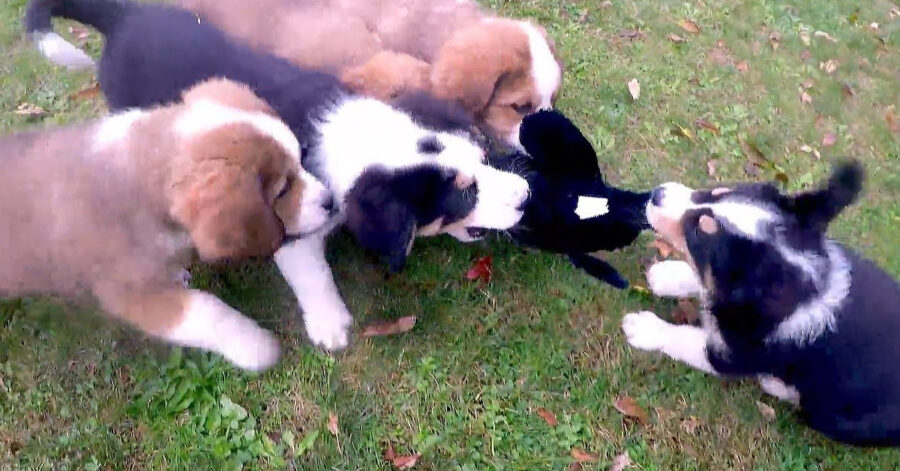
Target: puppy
[812,320]
[115,208]
[499,69]
[571,210]
[378,160]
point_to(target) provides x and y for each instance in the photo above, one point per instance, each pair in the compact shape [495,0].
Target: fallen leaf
[824,35]
[548,417]
[853,18]
[690,424]
[805,55]
[575,466]
[829,66]
[782,177]
[804,36]
[620,462]
[683,132]
[711,167]
[743,66]
[481,269]
[686,312]
[751,170]
[775,40]
[86,93]
[848,90]
[630,408]
[399,326]
[707,125]
[389,454]
[582,456]
[631,34]
[405,461]
[806,85]
[810,150]
[664,248]
[828,139]
[754,155]
[675,38]
[689,26]
[634,88]
[332,423]
[891,119]
[805,98]
[766,410]
[28,109]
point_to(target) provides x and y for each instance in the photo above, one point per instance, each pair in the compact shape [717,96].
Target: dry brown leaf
[775,40]
[634,88]
[620,462]
[829,139]
[743,66]
[689,26]
[675,38]
[28,109]
[711,167]
[332,423]
[891,118]
[690,424]
[805,98]
[686,312]
[805,55]
[405,461]
[823,34]
[829,66]
[86,93]
[399,326]
[707,125]
[582,456]
[766,410]
[807,84]
[482,269]
[848,90]
[665,249]
[548,417]
[630,408]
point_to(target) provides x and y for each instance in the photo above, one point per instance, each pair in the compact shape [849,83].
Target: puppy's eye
[286,187]
[522,108]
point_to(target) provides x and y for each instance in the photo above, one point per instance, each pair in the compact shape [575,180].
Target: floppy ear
[379,219]
[226,213]
[470,65]
[557,146]
[816,209]
[387,75]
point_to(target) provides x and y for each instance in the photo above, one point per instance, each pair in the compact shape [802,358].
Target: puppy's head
[759,253]
[238,186]
[500,70]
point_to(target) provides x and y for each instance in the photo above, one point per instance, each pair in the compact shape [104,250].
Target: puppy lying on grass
[116,207]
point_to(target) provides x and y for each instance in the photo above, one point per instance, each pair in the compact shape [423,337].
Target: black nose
[657,196]
[330,205]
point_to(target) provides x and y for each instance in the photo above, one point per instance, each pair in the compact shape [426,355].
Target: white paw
[646,331]
[330,331]
[255,349]
[673,278]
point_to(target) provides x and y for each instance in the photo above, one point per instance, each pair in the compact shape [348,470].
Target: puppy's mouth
[476,232]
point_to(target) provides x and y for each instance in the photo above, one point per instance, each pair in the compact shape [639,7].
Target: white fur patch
[313,213]
[204,116]
[61,52]
[591,206]
[674,278]
[544,69]
[210,324]
[778,388]
[114,129]
[815,317]
[646,331]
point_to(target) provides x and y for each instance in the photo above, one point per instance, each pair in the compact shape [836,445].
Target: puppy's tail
[103,15]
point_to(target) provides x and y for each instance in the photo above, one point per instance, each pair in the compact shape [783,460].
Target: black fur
[560,165]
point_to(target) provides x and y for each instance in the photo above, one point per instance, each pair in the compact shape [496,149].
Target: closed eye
[522,108]
[287,186]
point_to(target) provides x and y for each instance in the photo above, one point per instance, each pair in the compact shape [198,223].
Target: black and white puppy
[571,210]
[392,176]
[816,323]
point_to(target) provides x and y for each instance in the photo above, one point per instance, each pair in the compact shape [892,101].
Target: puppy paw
[330,331]
[673,278]
[254,349]
[645,331]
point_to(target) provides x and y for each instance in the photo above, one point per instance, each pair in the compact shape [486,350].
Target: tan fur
[485,65]
[119,220]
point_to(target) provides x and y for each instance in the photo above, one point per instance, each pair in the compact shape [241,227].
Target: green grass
[464,386]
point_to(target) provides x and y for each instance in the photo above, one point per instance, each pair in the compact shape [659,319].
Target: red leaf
[582,456]
[405,461]
[707,125]
[399,326]
[332,423]
[689,26]
[481,270]
[548,417]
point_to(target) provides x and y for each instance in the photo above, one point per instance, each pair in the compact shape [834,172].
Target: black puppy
[571,209]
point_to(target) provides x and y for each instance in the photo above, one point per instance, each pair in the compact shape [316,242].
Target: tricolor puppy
[396,172]
[816,323]
[115,209]
[499,69]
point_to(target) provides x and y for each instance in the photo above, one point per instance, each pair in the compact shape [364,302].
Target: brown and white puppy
[500,69]
[116,207]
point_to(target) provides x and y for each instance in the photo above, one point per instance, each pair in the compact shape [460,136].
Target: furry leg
[599,269]
[684,343]
[303,265]
[673,278]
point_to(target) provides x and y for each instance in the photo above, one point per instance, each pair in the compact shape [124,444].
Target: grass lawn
[801,83]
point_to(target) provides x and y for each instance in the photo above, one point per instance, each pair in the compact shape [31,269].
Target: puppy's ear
[387,75]
[557,146]
[227,93]
[816,209]
[380,219]
[469,67]
[227,215]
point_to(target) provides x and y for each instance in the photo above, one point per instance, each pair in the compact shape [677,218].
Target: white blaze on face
[545,69]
